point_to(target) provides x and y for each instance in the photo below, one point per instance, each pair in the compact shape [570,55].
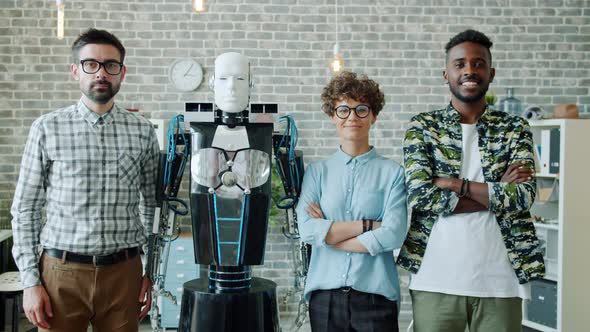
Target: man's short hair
[349,85]
[472,36]
[95,36]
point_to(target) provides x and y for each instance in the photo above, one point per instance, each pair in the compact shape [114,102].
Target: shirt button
[348,211]
[344,276]
[349,190]
[347,254]
[104,189]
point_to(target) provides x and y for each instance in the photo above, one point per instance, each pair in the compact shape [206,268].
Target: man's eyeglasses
[343,111]
[93,66]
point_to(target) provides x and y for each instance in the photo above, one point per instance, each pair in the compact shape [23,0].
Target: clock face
[185,74]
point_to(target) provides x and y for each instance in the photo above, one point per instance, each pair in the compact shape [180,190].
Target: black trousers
[347,310]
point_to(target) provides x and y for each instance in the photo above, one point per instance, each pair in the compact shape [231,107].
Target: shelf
[537,326]
[547,176]
[546,123]
[554,227]
[550,276]
[565,199]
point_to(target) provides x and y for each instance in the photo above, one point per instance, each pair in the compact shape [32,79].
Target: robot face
[231,83]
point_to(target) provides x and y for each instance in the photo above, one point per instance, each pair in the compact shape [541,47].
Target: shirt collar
[360,159]
[95,119]
[451,115]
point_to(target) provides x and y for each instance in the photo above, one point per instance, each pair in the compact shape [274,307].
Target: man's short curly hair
[472,36]
[348,85]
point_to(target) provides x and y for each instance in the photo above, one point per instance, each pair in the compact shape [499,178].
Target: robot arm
[165,228]
[289,164]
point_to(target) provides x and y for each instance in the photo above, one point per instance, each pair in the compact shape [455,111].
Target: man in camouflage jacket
[433,158]
[432,148]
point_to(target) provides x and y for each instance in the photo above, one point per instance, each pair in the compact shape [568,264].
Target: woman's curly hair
[348,85]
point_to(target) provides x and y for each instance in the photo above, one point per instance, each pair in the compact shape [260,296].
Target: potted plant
[491,100]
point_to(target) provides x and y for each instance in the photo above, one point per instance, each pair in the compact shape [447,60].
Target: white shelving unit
[567,229]
[548,176]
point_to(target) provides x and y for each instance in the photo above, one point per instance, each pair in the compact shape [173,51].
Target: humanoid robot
[231,149]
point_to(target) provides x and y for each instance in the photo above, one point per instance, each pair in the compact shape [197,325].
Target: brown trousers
[105,296]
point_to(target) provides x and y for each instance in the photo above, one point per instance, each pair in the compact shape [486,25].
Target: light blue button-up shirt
[367,186]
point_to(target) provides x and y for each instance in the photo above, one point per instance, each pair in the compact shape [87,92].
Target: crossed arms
[318,228]
[514,191]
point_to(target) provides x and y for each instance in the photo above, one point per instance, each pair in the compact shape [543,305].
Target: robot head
[232,82]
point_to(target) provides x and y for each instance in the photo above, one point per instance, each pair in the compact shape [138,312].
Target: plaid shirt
[89,171]
[432,148]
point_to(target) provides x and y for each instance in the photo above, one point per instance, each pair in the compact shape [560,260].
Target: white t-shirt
[465,254]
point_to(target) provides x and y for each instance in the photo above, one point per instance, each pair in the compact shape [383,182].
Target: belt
[115,258]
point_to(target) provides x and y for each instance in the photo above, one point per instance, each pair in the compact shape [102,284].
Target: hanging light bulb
[198,6]
[60,18]
[337,63]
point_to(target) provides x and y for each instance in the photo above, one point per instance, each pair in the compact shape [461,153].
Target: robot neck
[233,119]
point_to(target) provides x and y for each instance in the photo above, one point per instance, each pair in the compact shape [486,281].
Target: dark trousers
[347,310]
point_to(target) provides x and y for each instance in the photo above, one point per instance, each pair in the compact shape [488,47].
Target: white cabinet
[563,203]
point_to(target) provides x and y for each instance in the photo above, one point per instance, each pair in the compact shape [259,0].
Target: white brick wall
[542,48]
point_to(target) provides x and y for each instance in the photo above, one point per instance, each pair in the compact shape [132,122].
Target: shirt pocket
[369,203]
[128,169]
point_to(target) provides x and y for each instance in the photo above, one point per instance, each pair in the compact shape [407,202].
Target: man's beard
[102,95]
[469,99]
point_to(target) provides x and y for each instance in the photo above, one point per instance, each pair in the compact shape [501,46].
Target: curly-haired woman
[352,211]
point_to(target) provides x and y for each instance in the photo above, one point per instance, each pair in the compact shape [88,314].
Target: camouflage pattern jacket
[432,148]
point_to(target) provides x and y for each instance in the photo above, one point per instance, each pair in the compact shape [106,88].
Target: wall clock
[185,74]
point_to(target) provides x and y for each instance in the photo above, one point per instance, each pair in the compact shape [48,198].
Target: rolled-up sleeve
[393,228]
[313,231]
